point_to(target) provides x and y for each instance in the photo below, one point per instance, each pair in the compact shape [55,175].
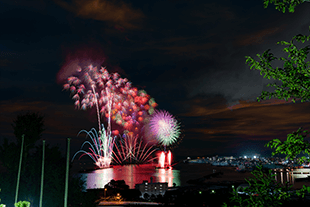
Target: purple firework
[164,127]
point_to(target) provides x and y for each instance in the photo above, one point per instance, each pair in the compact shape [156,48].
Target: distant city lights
[251,156]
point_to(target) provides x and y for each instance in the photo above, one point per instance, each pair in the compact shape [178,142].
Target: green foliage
[54,170]
[54,181]
[19,204]
[22,204]
[263,190]
[282,5]
[54,174]
[295,78]
[293,146]
[303,190]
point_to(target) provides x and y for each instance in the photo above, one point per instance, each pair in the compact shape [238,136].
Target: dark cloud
[119,13]
[189,56]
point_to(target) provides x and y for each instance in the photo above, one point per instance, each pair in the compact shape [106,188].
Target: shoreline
[230,175]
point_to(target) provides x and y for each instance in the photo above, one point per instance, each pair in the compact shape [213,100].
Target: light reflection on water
[131,174]
[179,174]
[283,177]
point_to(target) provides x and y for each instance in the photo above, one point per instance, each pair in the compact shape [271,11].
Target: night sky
[188,55]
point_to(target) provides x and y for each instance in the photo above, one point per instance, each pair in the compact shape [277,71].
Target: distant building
[228,158]
[151,188]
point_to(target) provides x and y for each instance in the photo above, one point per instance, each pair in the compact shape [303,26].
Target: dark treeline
[30,180]
[31,125]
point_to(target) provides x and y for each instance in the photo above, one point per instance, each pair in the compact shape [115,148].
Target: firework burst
[113,96]
[132,151]
[164,127]
[116,100]
[101,147]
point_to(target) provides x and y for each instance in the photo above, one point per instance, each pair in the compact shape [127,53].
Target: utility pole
[42,174]
[67,174]
[20,166]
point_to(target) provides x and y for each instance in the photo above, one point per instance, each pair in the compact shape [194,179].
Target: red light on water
[169,158]
[161,160]
[164,159]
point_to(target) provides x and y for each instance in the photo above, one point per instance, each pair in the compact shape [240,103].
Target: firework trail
[101,147]
[115,97]
[164,127]
[132,151]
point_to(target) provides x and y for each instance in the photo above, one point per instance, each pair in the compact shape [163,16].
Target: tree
[8,156]
[146,196]
[263,190]
[54,181]
[54,173]
[297,79]
[22,204]
[32,126]
[296,84]
[296,76]
[153,197]
[293,146]
[118,185]
[282,5]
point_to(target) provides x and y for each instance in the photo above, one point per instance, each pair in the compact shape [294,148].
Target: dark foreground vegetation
[30,180]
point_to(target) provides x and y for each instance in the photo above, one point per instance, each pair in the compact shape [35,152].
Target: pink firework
[113,95]
[164,127]
[133,110]
[130,150]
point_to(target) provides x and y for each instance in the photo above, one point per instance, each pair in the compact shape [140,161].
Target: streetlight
[118,197]
[105,192]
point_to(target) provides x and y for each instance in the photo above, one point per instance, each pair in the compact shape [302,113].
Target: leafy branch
[295,78]
[263,190]
[293,146]
[282,5]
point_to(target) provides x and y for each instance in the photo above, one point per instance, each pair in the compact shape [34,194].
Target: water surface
[131,174]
